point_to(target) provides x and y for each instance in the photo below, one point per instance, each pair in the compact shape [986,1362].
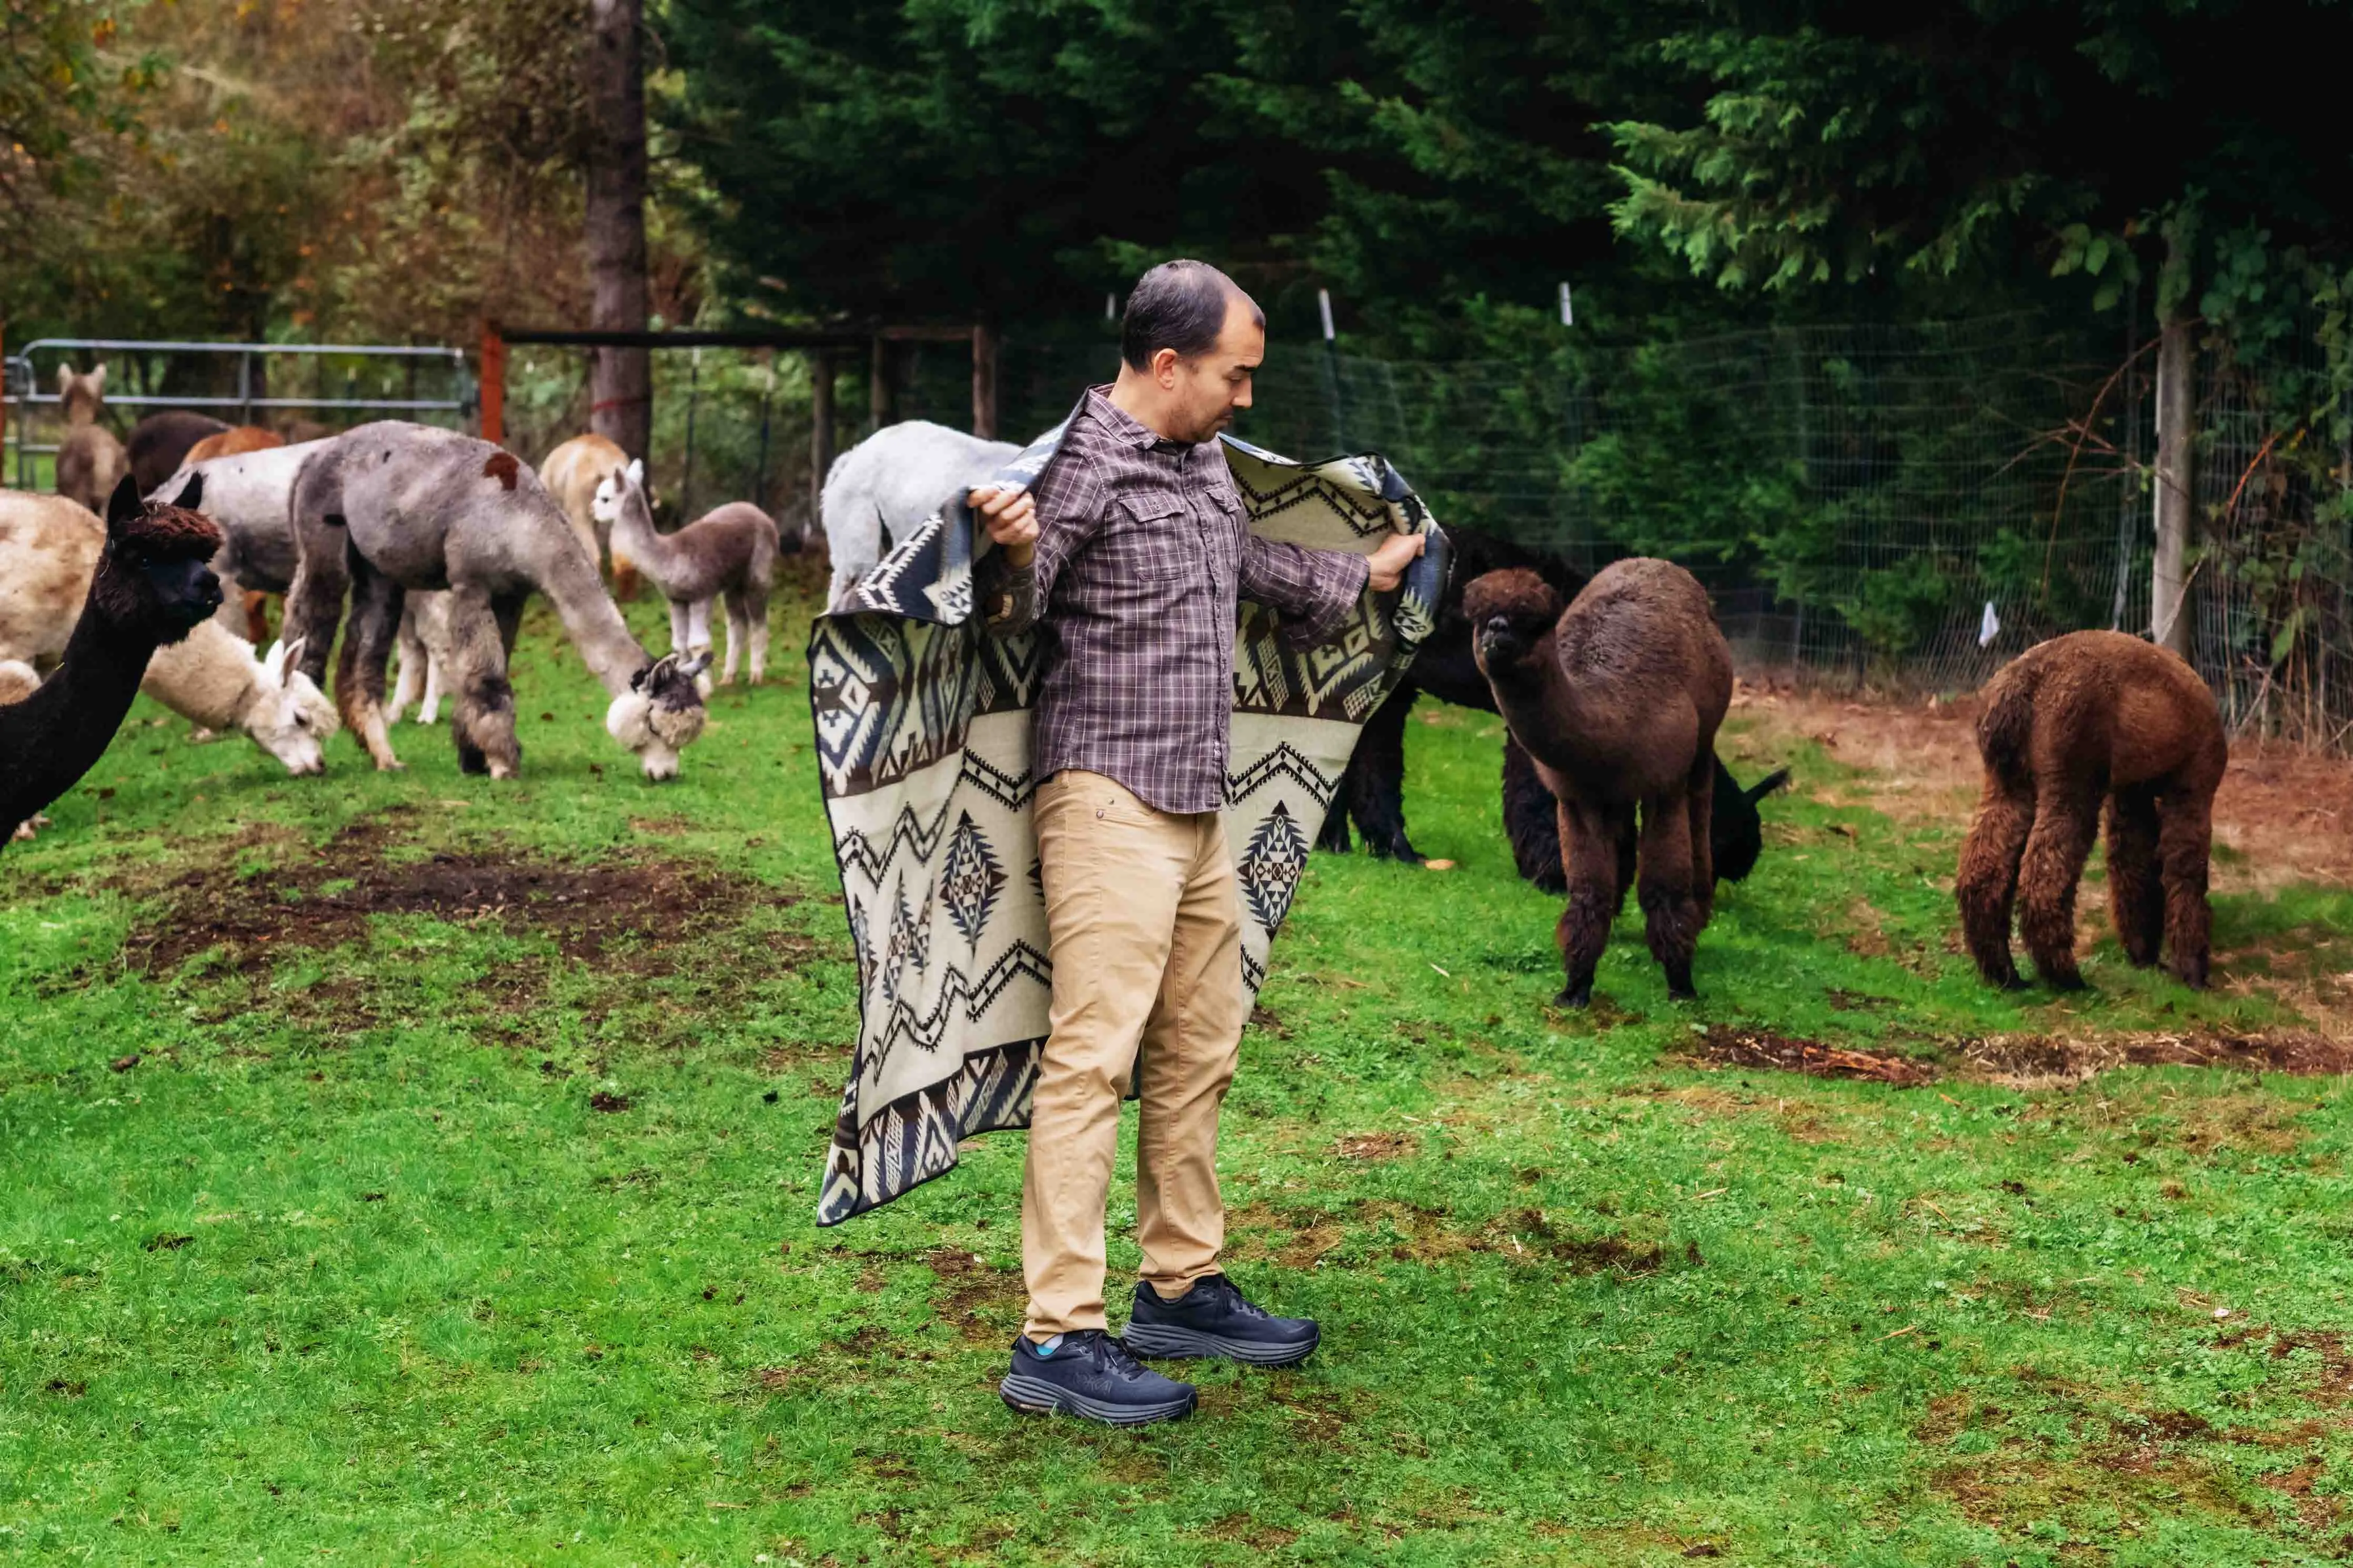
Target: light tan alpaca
[49,549]
[91,461]
[571,474]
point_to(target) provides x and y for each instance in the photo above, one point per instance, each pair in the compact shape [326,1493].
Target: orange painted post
[494,385]
[3,400]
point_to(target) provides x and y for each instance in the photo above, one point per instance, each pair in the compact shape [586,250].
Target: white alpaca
[49,551]
[424,648]
[885,488]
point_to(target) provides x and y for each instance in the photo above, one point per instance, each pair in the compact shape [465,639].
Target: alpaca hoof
[2068,983]
[1574,998]
[201,736]
[390,765]
[1682,993]
[501,771]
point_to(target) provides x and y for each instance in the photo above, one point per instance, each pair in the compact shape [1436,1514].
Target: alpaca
[728,553]
[19,681]
[1616,700]
[884,488]
[424,648]
[230,442]
[91,461]
[2068,721]
[571,473]
[1372,789]
[251,495]
[389,508]
[49,548]
[152,587]
[160,444]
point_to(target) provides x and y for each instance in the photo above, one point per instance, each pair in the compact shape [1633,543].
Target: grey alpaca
[729,552]
[881,489]
[388,509]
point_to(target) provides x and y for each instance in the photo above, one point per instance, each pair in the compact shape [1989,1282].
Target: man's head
[1190,341]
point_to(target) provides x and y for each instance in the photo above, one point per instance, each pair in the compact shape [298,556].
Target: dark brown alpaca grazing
[1616,699]
[153,587]
[2067,722]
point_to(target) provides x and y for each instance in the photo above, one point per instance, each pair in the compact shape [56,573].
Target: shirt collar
[1124,427]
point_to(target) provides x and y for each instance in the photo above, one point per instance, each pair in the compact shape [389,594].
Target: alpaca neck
[53,737]
[1544,709]
[590,618]
[634,537]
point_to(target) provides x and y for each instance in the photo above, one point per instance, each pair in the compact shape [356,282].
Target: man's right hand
[1011,516]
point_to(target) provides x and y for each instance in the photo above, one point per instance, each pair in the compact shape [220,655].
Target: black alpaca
[1372,791]
[153,587]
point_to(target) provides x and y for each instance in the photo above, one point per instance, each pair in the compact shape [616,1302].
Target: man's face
[1208,390]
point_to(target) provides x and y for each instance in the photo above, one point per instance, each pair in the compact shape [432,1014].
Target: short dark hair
[1179,305]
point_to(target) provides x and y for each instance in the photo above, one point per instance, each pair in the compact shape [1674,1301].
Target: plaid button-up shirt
[1143,553]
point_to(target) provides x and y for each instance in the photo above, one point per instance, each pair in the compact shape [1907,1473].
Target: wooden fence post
[494,385]
[820,366]
[882,385]
[984,382]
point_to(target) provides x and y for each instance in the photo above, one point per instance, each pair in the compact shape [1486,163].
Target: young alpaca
[391,508]
[91,461]
[2068,721]
[1616,700]
[730,551]
[150,588]
[424,647]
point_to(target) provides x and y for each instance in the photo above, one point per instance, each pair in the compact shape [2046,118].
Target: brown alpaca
[1618,700]
[2068,721]
[159,443]
[150,588]
[91,461]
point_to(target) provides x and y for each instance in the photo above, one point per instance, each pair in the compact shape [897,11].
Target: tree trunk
[821,368]
[620,381]
[2171,617]
[984,382]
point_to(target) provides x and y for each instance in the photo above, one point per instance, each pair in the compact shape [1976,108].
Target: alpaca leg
[1664,886]
[483,722]
[1531,822]
[2185,839]
[429,707]
[678,627]
[411,682]
[1701,805]
[507,610]
[359,671]
[2066,820]
[1986,887]
[755,617]
[1590,866]
[1376,778]
[314,605]
[738,640]
[698,626]
[2135,897]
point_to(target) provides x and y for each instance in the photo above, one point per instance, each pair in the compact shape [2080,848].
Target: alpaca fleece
[2068,723]
[1616,700]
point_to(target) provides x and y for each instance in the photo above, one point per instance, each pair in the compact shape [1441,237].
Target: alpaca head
[290,717]
[83,396]
[156,572]
[661,714]
[1510,612]
[614,488]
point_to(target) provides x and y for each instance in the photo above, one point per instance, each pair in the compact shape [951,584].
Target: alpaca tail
[2007,726]
[1765,785]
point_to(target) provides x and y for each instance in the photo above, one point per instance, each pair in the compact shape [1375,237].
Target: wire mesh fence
[1904,507]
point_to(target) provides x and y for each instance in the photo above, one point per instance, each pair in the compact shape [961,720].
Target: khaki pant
[1145,929]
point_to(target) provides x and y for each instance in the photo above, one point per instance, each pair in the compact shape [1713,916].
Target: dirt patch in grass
[2037,1061]
[1727,1045]
[984,1304]
[1375,1146]
[327,899]
[1410,1233]
[2284,814]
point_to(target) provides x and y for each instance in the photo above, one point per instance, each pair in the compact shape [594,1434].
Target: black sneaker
[1213,1319]
[1090,1373]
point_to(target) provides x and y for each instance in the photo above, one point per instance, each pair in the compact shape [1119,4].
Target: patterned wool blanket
[922,738]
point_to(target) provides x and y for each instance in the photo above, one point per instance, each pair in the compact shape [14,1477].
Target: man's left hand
[1388,562]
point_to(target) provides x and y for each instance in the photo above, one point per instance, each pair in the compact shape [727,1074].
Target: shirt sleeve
[1070,497]
[1312,590]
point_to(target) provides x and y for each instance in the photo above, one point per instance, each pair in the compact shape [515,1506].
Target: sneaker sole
[1166,1341]
[1036,1396]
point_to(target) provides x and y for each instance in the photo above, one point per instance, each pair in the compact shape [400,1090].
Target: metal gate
[27,385]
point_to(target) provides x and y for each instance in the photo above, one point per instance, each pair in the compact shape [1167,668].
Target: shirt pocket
[1150,540]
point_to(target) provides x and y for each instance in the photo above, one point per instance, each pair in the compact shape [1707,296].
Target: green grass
[348,1267]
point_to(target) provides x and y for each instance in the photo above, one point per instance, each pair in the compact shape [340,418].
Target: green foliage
[348,1263]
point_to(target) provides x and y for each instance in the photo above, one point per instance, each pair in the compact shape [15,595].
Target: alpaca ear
[97,378]
[288,653]
[64,379]
[191,494]
[122,507]
[638,472]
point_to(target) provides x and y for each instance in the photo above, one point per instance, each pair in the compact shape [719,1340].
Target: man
[1131,553]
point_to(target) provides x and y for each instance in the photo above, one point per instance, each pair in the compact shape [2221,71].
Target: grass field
[405,1168]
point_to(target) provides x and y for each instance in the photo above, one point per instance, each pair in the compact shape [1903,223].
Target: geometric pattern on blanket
[923,737]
